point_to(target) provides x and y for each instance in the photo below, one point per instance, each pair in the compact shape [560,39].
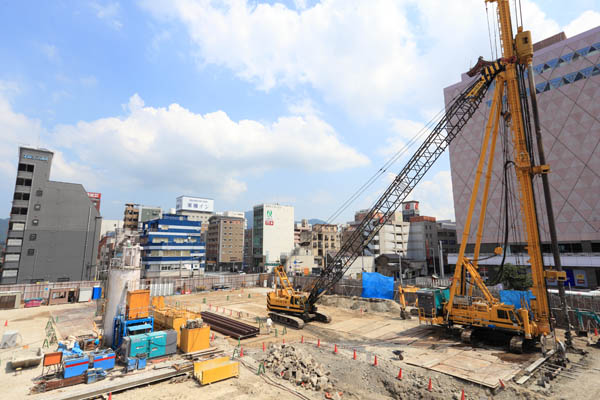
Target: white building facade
[272,236]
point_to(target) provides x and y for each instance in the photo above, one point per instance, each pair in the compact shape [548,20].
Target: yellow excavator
[458,305]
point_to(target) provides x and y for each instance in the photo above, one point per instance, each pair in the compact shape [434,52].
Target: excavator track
[322,317]
[293,322]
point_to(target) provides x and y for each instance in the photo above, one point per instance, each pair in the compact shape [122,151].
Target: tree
[516,277]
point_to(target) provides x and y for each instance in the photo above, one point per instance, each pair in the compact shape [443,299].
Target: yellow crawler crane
[457,305]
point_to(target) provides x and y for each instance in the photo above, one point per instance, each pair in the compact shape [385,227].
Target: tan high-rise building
[131,217]
[225,243]
[325,239]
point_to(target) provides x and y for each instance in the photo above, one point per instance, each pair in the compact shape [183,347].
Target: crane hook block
[498,251]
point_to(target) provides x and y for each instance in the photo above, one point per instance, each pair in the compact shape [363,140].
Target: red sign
[95,198]
[269,222]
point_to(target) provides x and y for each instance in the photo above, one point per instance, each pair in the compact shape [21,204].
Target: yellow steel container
[194,339]
[138,304]
[158,302]
[170,319]
[215,370]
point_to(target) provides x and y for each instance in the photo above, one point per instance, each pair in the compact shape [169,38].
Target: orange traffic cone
[110,396]
[429,387]
[318,342]
[462,395]
[302,339]
[6,323]
[283,340]
[335,349]
[596,331]
[375,362]
[354,355]
[501,384]
[241,352]
[400,374]
[263,347]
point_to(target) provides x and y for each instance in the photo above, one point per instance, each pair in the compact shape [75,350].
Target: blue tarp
[377,286]
[518,298]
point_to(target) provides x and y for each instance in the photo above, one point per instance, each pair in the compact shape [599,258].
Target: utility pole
[441,260]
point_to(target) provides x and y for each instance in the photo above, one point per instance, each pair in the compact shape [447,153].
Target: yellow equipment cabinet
[138,304]
[170,319]
[215,370]
[194,339]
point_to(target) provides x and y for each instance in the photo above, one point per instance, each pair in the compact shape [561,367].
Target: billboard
[95,198]
[188,203]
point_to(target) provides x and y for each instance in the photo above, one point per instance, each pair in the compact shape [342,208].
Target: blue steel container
[131,364]
[141,363]
[103,359]
[96,292]
[75,365]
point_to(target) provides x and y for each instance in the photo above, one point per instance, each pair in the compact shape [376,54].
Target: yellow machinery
[194,338]
[458,305]
[402,290]
[215,370]
[188,339]
[289,306]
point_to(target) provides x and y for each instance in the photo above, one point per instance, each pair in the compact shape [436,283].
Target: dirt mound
[360,303]
[290,363]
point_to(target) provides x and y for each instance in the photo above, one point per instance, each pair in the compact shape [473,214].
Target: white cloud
[17,129]
[110,12]
[51,52]
[363,56]
[587,20]
[435,196]
[407,133]
[175,149]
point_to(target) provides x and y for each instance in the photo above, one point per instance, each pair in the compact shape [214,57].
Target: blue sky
[298,102]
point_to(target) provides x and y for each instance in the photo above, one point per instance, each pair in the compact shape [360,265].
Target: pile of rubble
[290,363]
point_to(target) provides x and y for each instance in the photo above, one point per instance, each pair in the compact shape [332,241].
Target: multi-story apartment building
[196,209]
[225,243]
[325,239]
[299,227]
[53,229]
[567,76]
[272,235]
[172,247]
[248,255]
[131,217]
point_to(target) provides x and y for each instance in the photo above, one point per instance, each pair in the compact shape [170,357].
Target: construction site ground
[371,329]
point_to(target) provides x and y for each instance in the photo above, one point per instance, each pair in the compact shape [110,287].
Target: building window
[11,257]
[35,222]
[33,236]
[37,207]
[16,226]
[14,242]
[19,210]
[30,252]
[26,167]
[39,193]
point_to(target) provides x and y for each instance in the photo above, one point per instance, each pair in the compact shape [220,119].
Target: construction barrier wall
[42,290]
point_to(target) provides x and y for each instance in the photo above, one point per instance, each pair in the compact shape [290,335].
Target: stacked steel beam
[228,326]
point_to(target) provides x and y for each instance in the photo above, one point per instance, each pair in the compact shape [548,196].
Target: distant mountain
[3,229]
[316,221]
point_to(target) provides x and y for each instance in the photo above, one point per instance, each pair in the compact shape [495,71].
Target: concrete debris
[360,303]
[292,364]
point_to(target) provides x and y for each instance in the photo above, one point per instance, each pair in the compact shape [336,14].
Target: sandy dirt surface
[370,333]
